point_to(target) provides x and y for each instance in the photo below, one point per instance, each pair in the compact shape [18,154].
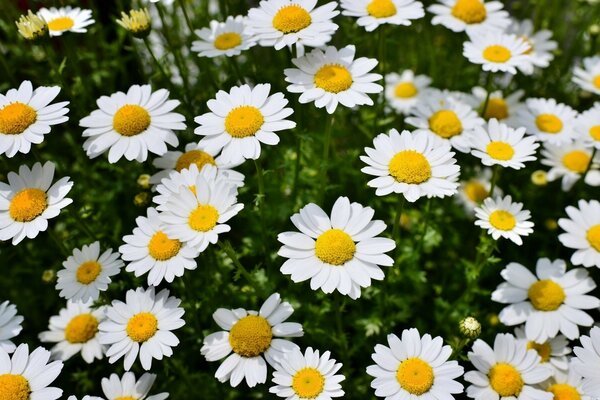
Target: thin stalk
[494,179]
[228,249]
[188,21]
[382,65]
[589,166]
[157,63]
[260,197]
[397,216]
[424,227]
[488,88]
[297,166]
[325,157]
[59,243]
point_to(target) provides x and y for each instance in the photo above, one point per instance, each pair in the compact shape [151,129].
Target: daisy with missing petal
[10,326]
[26,116]
[414,367]
[142,325]
[568,161]
[29,200]
[587,363]
[27,376]
[413,164]
[248,339]
[587,126]
[307,376]
[340,253]
[548,120]
[333,76]
[74,330]
[582,233]
[554,352]
[127,387]
[588,76]
[567,386]
[472,192]
[66,19]
[540,45]
[498,51]
[150,251]
[509,371]
[372,13]
[472,16]
[500,106]
[86,273]
[227,38]
[503,218]
[132,124]
[404,91]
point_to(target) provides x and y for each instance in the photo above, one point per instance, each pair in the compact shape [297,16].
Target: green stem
[188,21]
[59,243]
[424,226]
[589,166]
[397,216]
[297,166]
[325,157]
[488,88]
[494,179]
[157,63]
[260,198]
[228,249]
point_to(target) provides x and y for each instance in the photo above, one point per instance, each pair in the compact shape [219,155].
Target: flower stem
[494,179]
[157,63]
[589,166]
[228,249]
[488,89]
[188,21]
[397,216]
[325,158]
[260,198]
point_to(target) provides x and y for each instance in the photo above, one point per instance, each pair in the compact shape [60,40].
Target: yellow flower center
[308,383]
[539,177]
[496,108]
[381,8]
[563,391]
[475,191]
[469,11]
[502,220]
[445,123]
[546,295]
[595,132]
[544,350]
[88,271]
[126,398]
[16,117]
[61,24]
[410,166]
[548,123]
[333,78]
[14,387]
[506,380]
[28,204]
[597,81]
[203,218]
[198,157]
[142,326]
[250,336]
[576,161]
[406,90]
[415,376]
[81,328]
[593,237]
[162,248]
[292,18]
[335,247]
[243,121]
[131,120]
[497,54]
[226,41]
[500,150]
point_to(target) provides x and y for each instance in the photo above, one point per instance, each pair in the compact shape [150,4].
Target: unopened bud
[470,327]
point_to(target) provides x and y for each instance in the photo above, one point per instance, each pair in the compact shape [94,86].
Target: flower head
[138,22]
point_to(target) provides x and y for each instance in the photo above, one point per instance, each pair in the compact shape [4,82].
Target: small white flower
[227,38]
[554,352]
[548,120]
[568,385]
[569,161]
[582,233]
[10,326]
[587,126]
[472,192]
[404,91]
[503,218]
[66,19]
[498,52]
[540,46]
[472,16]
[129,388]
[372,13]
[587,363]
[500,106]
[588,76]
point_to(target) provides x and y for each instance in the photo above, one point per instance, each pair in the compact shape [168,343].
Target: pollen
[595,132]
[502,220]
[335,247]
[244,121]
[546,295]
[250,336]
[81,328]
[162,248]
[469,11]
[142,326]
[292,18]
[506,380]
[381,8]
[308,383]
[497,54]
[500,150]
[445,123]
[131,120]
[576,161]
[475,191]
[593,237]
[198,157]
[203,218]
[14,387]
[16,117]
[226,41]
[410,166]
[333,78]
[415,376]
[563,391]
[596,81]
[496,108]
[61,24]
[548,123]
[28,204]
[88,271]
[406,90]
[544,350]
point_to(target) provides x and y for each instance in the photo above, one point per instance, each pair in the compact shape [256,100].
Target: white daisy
[582,233]
[307,376]
[129,388]
[588,76]
[472,192]
[587,363]
[27,376]
[10,326]
[414,164]
[227,38]
[404,91]
[548,120]
[540,45]
[253,337]
[500,106]
[503,218]
[66,19]
[149,250]
[568,385]
[498,144]
[587,126]
[29,200]
[554,352]
[142,325]
[333,76]
[472,16]
[508,371]
[86,273]
[415,367]
[372,13]
[340,253]
[74,330]
[26,116]
[86,397]
[239,121]
[281,23]
[498,51]
[568,161]
[132,124]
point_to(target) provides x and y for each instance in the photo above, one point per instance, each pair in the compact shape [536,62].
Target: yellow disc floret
[506,380]
[469,11]
[142,326]
[81,328]
[131,120]
[335,247]
[595,132]
[500,150]
[162,248]
[577,161]
[308,383]
[16,117]
[415,376]
[563,391]
[475,191]
[596,81]
[250,336]
[198,157]
[244,121]
[292,18]
[497,54]
[502,220]
[593,237]
[61,24]
[88,271]
[496,108]
[410,166]
[14,387]
[445,123]
[546,295]
[27,204]
[381,8]
[333,78]
[548,123]
[405,90]
[228,40]
[203,218]
[544,350]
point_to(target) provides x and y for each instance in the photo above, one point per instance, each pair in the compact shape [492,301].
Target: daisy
[567,386]
[86,273]
[27,376]
[142,325]
[75,330]
[372,13]
[554,352]
[149,250]
[307,376]
[132,124]
[472,192]
[31,26]
[540,46]
[587,126]
[508,371]
[503,218]
[281,23]
[568,161]
[548,303]
[333,76]
[227,38]
[248,339]
[588,76]
[414,367]
[26,116]
[587,363]
[29,200]
[582,233]
[548,120]
[239,121]
[497,51]
[138,22]
[340,253]
[413,164]
[498,144]
[66,19]
[500,106]
[472,16]
[10,326]
[86,397]
[129,388]
[404,91]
